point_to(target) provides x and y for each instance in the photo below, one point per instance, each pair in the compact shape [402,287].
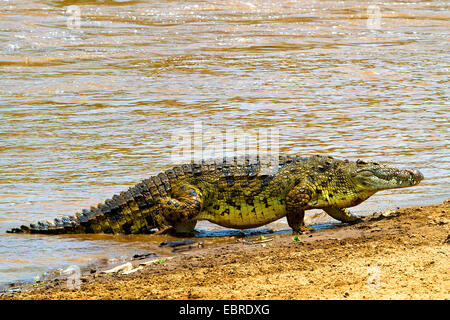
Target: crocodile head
[372,176]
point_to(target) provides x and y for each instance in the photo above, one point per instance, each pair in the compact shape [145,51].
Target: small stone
[143,256]
[447,240]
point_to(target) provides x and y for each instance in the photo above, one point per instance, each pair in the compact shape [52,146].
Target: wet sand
[400,254]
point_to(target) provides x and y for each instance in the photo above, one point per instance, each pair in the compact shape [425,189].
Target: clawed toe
[303,229]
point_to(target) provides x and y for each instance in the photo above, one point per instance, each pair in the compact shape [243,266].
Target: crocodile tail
[130,212]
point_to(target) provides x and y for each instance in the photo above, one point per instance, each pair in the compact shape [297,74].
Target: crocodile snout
[416,175]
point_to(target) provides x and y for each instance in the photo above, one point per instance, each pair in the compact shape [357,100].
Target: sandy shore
[402,254]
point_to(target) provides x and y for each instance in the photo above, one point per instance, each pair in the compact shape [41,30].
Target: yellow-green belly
[243,215]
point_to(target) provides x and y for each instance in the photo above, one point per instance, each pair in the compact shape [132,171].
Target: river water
[92,91]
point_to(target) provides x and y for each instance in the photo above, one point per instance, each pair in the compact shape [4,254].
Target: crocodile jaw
[375,177]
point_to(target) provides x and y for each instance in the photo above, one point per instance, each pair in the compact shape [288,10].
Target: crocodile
[236,193]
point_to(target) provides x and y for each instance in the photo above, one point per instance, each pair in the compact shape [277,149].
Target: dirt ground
[401,254]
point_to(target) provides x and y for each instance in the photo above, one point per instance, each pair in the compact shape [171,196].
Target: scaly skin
[236,193]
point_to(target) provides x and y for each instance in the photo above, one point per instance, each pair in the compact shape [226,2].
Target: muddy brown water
[90,95]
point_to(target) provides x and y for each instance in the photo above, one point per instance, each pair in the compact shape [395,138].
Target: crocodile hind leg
[342,215]
[296,222]
[181,208]
[296,202]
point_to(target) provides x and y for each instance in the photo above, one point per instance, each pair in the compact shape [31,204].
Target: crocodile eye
[360,161]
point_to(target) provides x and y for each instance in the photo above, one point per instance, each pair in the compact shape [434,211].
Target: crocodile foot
[303,229]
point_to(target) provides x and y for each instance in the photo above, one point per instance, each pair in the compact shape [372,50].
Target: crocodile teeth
[58,222]
[42,225]
[50,224]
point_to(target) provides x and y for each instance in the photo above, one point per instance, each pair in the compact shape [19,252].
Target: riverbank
[400,254]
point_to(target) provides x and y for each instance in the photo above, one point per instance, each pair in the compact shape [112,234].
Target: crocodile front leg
[296,202]
[342,215]
[180,210]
